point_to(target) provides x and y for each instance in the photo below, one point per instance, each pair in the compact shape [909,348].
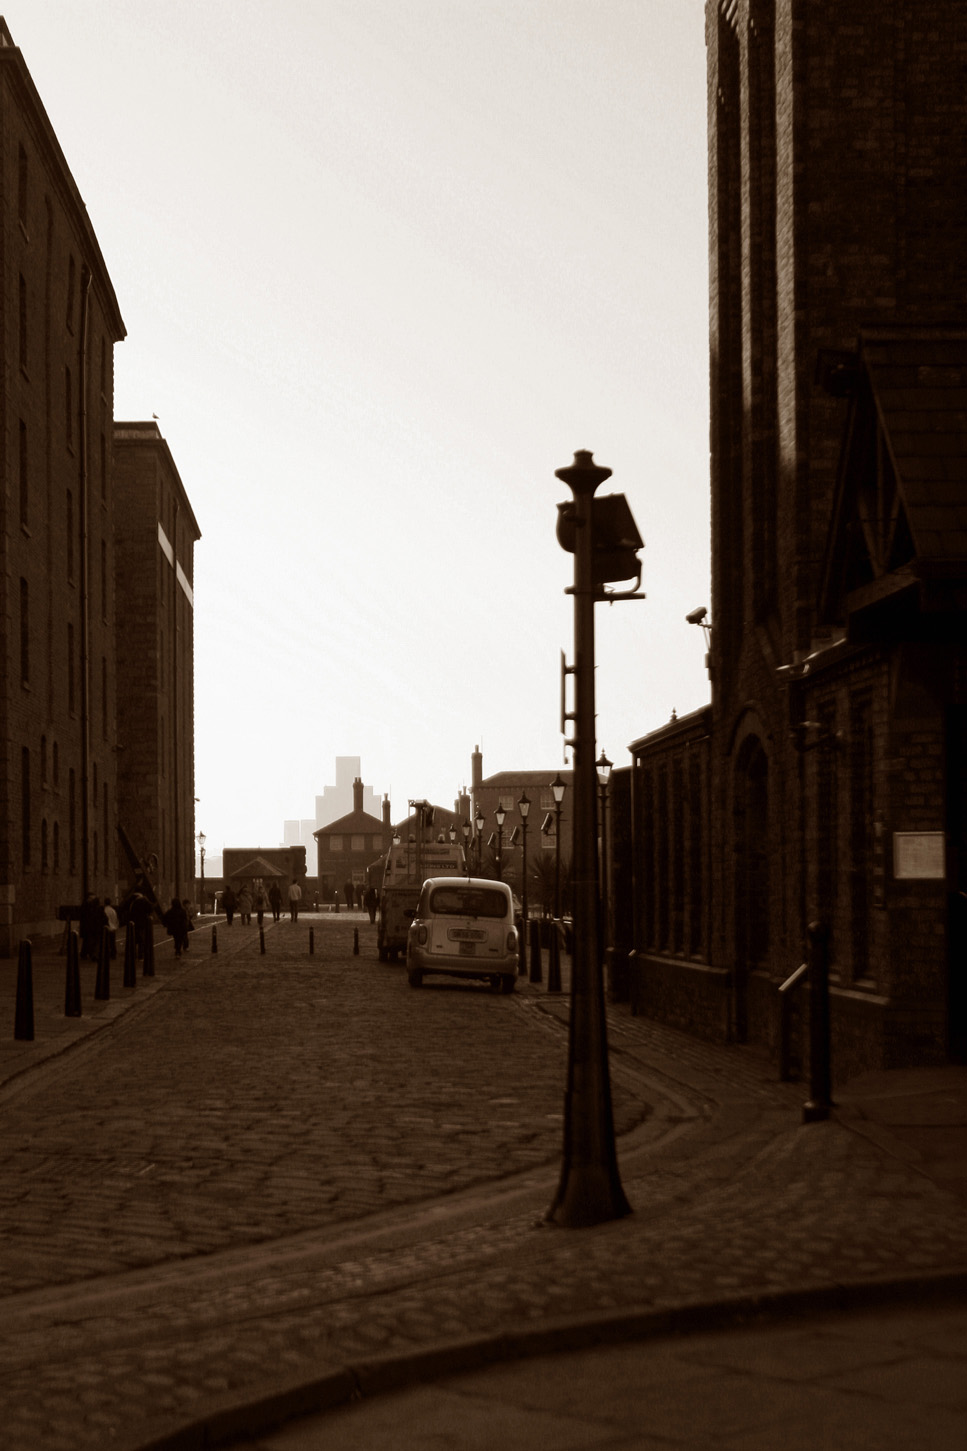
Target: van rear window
[458,901]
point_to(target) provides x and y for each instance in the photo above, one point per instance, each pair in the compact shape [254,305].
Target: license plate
[467,949]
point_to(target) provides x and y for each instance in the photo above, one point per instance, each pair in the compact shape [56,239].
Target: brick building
[504,789]
[155,533]
[826,781]
[59,320]
[346,849]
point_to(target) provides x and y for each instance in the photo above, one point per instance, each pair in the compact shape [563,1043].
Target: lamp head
[558,788]
[523,806]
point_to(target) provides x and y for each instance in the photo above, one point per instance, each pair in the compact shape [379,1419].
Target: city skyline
[383,270]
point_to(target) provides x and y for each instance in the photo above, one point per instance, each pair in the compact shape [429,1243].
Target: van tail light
[421,936]
[512,940]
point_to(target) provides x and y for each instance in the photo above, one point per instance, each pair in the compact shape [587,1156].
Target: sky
[384,266]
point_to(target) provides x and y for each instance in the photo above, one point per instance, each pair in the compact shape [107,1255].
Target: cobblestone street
[278,1166]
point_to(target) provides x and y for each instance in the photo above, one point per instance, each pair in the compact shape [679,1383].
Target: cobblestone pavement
[279,1166]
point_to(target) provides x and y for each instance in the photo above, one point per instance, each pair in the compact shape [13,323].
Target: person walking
[245,907]
[111,923]
[275,901]
[176,923]
[261,902]
[295,897]
[229,904]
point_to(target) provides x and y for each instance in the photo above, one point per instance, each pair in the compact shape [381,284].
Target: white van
[464,927]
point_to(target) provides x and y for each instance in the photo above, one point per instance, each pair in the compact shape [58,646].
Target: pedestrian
[372,902]
[229,904]
[245,906]
[111,924]
[275,901]
[91,925]
[139,912]
[295,897]
[350,894]
[176,923]
[261,902]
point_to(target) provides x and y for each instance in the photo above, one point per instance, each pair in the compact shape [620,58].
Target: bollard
[72,987]
[355,942]
[130,957]
[536,974]
[262,940]
[312,940]
[554,960]
[820,1099]
[102,983]
[147,967]
[24,1018]
[214,940]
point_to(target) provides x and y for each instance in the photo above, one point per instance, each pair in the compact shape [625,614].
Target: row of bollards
[24,1014]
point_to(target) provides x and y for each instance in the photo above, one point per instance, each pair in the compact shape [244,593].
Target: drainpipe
[85,660]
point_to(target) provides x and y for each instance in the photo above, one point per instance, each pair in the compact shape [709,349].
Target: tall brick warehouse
[64,528]
[826,782]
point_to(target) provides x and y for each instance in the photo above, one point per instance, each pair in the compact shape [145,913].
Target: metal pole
[820,1078]
[522,964]
[590,1190]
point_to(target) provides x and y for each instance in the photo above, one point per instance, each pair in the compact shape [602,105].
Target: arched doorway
[752,896]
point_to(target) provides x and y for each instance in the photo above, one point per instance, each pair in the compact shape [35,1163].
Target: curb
[229,1420]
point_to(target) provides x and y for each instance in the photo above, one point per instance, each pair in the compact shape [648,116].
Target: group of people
[98,918]
[244,900]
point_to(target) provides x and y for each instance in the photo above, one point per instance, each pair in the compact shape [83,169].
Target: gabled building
[348,848]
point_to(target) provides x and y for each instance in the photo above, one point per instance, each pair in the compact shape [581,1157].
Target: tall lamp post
[523,806]
[479,823]
[465,830]
[603,767]
[500,816]
[202,838]
[558,788]
[603,537]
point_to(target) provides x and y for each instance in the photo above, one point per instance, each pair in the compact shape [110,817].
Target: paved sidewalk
[737,1206]
[894,1380]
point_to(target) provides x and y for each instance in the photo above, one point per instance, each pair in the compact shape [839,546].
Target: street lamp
[558,788]
[523,806]
[603,768]
[499,816]
[479,823]
[202,838]
[465,829]
[604,539]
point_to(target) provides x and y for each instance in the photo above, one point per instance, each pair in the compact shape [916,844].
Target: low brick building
[347,849]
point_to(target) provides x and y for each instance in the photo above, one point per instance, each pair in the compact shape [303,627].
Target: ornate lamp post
[603,537]
[500,816]
[523,806]
[558,788]
[603,767]
[479,823]
[465,830]
[202,838]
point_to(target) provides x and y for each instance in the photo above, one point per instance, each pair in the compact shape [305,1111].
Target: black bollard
[214,940]
[312,940]
[355,942]
[147,967]
[130,957]
[536,975]
[262,940]
[72,987]
[24,1019]
[554,960]
[102,983]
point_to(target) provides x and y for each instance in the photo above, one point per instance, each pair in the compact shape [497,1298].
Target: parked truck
[407,866]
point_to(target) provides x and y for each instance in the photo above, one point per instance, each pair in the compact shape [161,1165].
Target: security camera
[695,617]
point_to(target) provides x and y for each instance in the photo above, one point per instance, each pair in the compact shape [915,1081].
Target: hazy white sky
[384,266]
